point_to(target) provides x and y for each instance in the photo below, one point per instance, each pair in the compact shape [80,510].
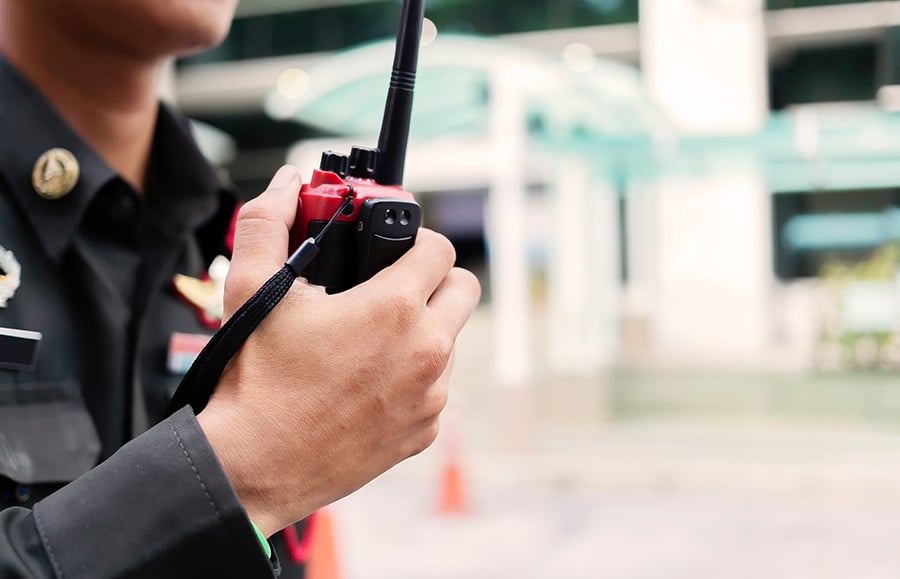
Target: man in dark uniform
[116,302]
[104,201]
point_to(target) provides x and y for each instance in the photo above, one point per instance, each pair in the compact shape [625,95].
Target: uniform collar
[184,189]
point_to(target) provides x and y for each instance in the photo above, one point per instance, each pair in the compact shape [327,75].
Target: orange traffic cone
[323,561]
[452,499]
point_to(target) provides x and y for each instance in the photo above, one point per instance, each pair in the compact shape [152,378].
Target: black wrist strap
[201,379]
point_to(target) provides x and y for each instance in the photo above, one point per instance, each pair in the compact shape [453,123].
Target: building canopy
[345,93]
[590,106]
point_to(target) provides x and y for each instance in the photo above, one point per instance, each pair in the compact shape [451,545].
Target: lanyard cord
[203,376]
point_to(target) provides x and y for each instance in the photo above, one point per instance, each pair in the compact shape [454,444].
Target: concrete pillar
[582,273]
[704,63]
[638,302]
[506,231]
[705,66]
[604,273]
[715,271]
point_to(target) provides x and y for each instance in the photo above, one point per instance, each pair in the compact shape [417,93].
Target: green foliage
[882,265]
[856,350]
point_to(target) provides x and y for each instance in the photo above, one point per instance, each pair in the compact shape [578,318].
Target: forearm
[160,507]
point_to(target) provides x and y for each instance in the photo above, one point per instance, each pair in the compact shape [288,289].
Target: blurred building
[688,237]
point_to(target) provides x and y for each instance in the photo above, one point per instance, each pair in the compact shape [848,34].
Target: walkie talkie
[380,221]
[354,219]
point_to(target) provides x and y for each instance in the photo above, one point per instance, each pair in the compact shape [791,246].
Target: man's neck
[109,99]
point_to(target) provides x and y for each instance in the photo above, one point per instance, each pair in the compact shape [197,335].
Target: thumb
[262,234]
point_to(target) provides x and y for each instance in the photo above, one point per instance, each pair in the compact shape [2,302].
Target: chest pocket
[46,432]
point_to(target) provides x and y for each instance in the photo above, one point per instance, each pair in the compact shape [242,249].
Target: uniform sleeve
[160,507]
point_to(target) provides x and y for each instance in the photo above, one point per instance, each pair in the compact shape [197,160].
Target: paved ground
[643,476]
[642,502]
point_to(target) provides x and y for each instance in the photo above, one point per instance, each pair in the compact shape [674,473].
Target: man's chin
[198,41]
[179,27]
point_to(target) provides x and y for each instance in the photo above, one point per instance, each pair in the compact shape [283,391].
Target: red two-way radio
[376,220]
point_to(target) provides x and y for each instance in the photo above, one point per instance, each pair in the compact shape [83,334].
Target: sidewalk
[643,476]
[642,502]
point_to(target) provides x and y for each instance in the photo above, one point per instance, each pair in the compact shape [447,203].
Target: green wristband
[262,540]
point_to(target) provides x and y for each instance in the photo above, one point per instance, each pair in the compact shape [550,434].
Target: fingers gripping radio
[382,221]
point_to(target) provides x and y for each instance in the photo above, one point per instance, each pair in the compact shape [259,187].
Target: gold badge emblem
[55,174]
[205,295]
[10,276]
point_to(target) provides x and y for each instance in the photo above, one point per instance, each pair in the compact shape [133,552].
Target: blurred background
[685,215]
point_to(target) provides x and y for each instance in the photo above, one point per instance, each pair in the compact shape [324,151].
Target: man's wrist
[238,462]
[263,540]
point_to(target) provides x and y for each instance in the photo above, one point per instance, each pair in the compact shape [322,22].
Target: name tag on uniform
[19,349]
[183,350]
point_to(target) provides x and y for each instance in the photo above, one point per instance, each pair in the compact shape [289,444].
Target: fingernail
[285,176]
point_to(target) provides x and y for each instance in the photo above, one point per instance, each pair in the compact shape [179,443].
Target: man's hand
[331,390]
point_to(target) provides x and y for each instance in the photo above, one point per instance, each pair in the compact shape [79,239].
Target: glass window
[813,228]
[827,74]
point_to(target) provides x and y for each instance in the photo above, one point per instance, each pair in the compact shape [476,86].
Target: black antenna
[398,109]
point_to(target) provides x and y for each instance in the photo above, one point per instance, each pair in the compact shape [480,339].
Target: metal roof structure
[594,107]
[345,92]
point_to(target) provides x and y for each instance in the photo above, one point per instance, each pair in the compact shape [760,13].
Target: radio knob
[362,162]
[334,162]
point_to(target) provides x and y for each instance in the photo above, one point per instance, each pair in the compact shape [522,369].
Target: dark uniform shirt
[96,272]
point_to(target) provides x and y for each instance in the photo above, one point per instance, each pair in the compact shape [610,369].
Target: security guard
[112,228]
[106,283]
